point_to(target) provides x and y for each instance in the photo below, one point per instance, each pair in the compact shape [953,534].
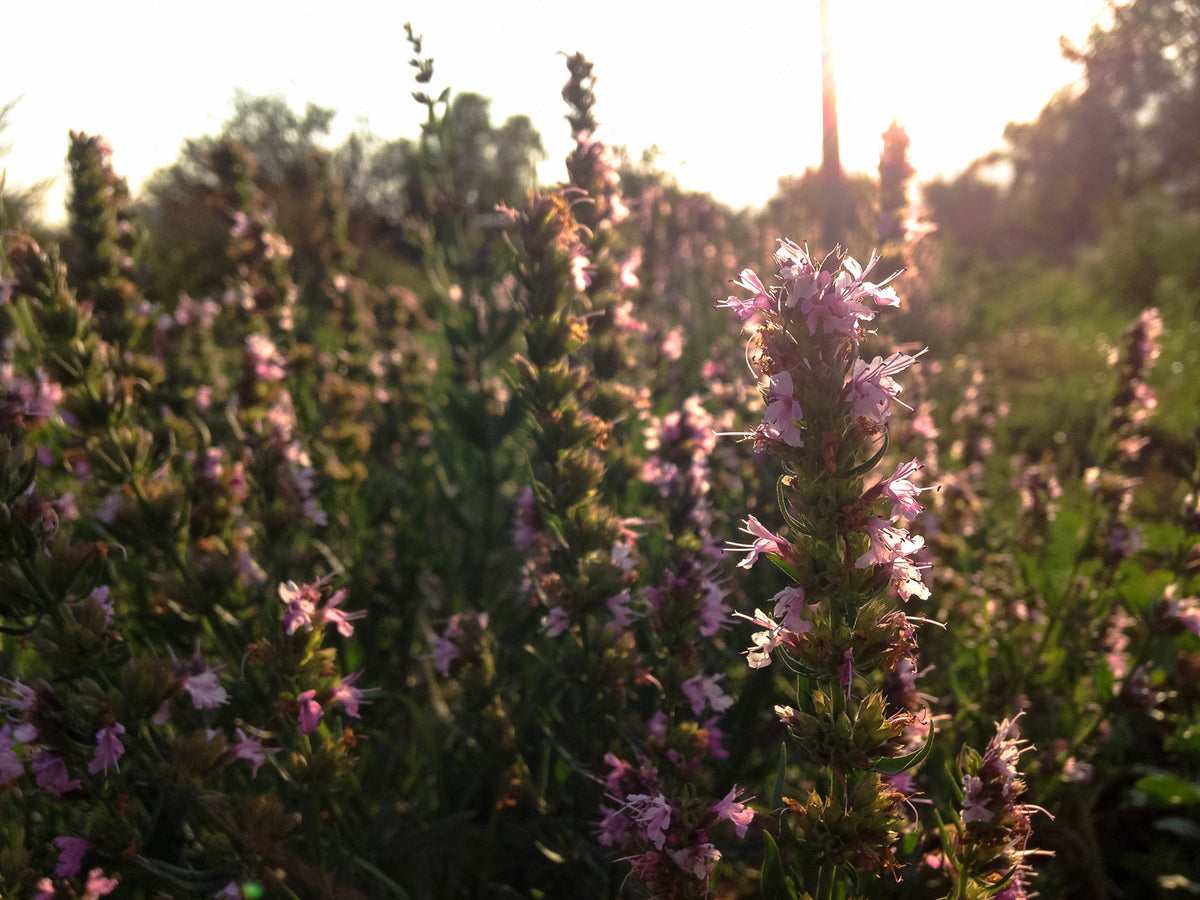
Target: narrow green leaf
[864,468]
[775,884]
[894,765]
[780,776]
[783,564]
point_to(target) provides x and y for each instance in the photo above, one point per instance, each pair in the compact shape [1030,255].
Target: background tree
[17,205]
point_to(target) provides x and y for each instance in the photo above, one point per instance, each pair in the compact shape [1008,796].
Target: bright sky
[731,96]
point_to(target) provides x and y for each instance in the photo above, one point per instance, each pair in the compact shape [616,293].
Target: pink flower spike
[108,749]
[45,890]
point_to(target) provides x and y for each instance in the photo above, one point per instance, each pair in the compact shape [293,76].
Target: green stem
[826,881]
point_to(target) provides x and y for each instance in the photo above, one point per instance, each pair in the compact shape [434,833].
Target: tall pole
[831,161]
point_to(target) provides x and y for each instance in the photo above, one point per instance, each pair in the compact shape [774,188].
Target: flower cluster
[665,841]
[827,415]
[989,846]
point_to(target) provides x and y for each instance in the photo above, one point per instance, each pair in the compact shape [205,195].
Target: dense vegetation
[370,517]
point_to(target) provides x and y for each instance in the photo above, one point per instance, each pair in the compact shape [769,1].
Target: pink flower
[329,613]
[99,596]
[773,635]
[629,268]
[553,623]
[747,308]
[7,286]
[108,749]
[301,603]
[348,695]
[303,612]
[10,764]
[730,807]
[697,860]
[802,281]
[704,691]
[835,302]
[205,689]
[1173,610]
[97,885]
[902,492]
[231,891]
[870,387]
[309,712]
[892,548]
[70,856]
[618,606]
[974,809]
[51,773]
[765,542]
[712,608]
[716,738]
[783,411]
[614,828]
[582,269]
[1077,772]
[263,360]
[672,344]
[251,749]
[45,890]
[653,814]
[242,226]
[789,609]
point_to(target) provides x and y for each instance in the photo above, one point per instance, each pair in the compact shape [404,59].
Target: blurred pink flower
[70,856]
[108,749]
[309,711]
[704,691]
[97,885]
[51,773]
